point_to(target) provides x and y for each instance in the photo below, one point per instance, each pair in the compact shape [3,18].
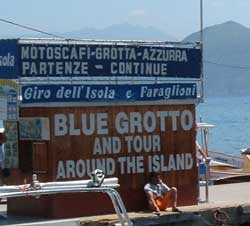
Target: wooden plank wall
[69,149]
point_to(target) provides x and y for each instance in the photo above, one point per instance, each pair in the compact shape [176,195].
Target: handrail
[35,188]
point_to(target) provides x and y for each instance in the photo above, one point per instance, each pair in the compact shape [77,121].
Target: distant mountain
[121,32]
[226,58]
[226,51]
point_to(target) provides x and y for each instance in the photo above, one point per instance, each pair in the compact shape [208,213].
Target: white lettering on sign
[167,92]
[37,93]
[54,68]
[124,165]
[137,144]
[72,130]
[61,128]
[165,55]
[107,145]
[174,115]
[68,93]
[136,68]
[186,123]
[78,60]
[107,53]
[7,60]
[133,122]
[147,122]
[131,164]
[163,163]
[90,124]
[74,92]
[106,93]
[81,168]
[71,52]
[54,53]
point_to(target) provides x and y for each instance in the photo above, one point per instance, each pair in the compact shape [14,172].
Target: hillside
[121,32]
[226,58]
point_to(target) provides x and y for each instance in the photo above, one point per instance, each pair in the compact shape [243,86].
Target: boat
[220,168]
[226,158]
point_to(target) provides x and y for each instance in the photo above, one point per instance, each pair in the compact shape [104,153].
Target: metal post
[116,207]
[122,207]
[201,46]
[207,164]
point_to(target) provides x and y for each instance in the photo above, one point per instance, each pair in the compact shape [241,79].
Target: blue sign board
[8,59]
[35,94]
[81,60]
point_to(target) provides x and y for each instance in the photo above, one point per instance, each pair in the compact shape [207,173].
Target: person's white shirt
[158,189]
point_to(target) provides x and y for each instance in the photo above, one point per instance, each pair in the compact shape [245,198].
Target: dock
[229,204]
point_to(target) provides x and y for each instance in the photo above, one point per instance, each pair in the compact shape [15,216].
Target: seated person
[159,195]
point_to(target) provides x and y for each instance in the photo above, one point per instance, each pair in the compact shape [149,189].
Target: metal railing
[97,184]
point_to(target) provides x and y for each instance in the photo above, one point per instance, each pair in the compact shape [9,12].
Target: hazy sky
[176,17]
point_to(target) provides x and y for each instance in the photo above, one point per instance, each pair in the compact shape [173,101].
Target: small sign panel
[11,145]
[3,107]
[33,128]
[107,93]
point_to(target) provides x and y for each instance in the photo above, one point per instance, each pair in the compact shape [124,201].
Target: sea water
[231,117]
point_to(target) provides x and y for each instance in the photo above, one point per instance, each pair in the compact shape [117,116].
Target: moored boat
[222,167]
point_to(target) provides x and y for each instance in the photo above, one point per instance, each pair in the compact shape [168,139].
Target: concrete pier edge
[230,202]
[191,216]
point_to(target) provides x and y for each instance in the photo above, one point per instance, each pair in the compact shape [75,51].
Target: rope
[221,217]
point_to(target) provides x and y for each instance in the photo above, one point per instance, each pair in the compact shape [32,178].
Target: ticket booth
[128,110]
